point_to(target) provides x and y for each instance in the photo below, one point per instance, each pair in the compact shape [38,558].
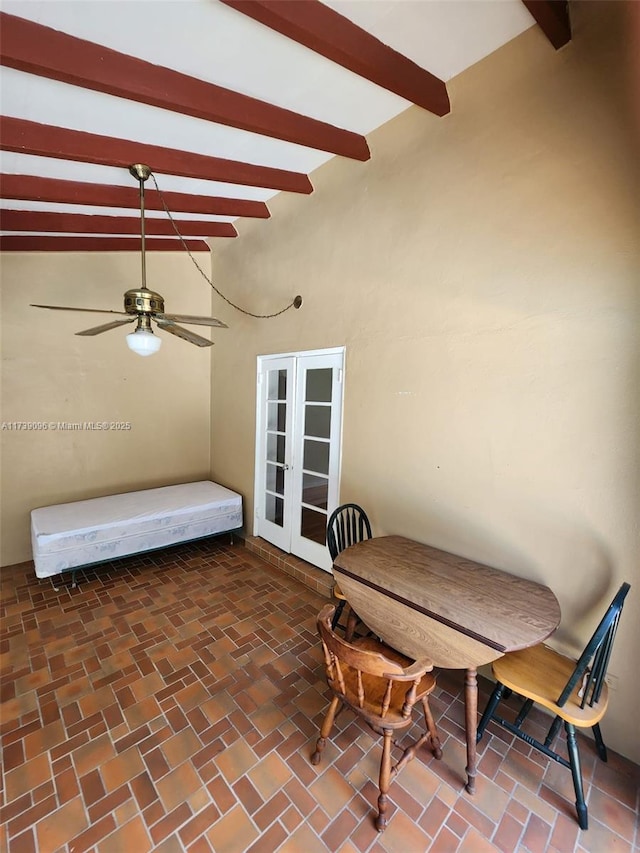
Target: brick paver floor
[171,703]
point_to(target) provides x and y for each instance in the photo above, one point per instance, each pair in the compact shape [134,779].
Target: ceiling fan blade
[88,310]
[185,334]
[192,318]
[98,330]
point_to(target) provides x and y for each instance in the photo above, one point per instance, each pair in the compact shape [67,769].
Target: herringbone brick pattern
[172,701]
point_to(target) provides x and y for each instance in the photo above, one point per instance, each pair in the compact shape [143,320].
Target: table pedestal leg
[471,725]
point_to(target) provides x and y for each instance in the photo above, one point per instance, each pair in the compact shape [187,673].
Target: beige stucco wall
[49,375]
[482,272]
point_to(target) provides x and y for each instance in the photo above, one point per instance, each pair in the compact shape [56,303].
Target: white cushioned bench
[67,536]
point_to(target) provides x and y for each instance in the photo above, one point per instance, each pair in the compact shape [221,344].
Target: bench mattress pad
[83,532]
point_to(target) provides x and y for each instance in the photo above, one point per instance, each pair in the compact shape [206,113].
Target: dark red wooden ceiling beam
[40,50]
[35,188]
[80,223]
[30,137]
[95,244]
[552,16]
[330,34]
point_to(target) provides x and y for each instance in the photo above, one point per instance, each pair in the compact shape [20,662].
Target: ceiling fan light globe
[144,342]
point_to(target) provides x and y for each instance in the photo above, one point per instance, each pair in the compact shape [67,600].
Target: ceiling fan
[145,305]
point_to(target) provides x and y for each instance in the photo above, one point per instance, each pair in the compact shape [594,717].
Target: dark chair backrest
[347,525]
[591,668]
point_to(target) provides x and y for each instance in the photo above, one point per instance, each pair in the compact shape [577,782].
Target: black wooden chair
[347,525]
[381,686]
[575,692]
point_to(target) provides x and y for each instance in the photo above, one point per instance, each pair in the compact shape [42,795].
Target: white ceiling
[218,44]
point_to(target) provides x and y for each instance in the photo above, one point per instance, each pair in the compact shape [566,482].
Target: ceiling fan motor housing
[137,301]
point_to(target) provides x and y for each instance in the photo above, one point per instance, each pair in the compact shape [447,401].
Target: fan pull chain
[295,303]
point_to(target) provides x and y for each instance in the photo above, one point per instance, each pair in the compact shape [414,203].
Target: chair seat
[556,682]
[338,593]
[540,673]
[374,687]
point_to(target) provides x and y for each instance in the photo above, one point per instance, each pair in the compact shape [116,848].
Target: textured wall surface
[482,272]
[51,376]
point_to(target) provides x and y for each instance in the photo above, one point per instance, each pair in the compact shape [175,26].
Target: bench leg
[74,582]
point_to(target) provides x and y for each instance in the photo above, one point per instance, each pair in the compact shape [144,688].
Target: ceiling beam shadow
[335,37]
[36,49]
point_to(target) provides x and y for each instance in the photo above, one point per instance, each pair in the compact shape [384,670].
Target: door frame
[262,365]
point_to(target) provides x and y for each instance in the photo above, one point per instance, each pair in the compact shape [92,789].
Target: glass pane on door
[276,415]
[317,421]
[315,490]
[316,456]
[313,525]
[277,385]
[316,449]
[276,446]
[274,510]
[275,479]
[318,385]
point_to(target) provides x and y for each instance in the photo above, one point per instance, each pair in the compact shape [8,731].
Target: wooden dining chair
[347,525]
[381,686]
[574,691]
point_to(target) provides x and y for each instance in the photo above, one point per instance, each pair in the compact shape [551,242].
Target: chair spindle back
[591,667]
[347,525]
[343,659]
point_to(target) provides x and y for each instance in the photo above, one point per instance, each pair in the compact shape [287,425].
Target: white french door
[299,419]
